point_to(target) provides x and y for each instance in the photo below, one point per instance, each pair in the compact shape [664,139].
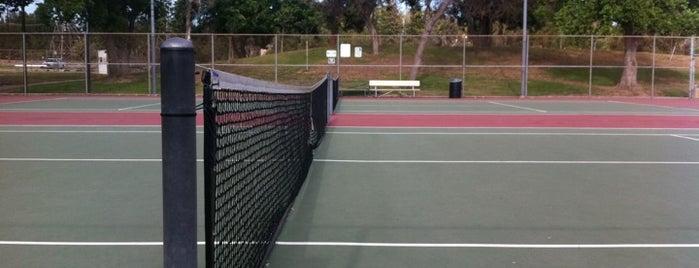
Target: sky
[30,8]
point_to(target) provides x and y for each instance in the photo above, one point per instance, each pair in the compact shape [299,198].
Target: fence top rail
[346,35]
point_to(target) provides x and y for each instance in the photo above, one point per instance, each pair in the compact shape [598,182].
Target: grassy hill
[488,72]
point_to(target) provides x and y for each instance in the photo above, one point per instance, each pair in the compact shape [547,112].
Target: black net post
[209,159]
[178,117]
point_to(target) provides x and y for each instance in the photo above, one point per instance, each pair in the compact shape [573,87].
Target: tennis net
[258,147]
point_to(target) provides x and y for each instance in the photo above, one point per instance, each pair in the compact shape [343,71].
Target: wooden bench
[388,86]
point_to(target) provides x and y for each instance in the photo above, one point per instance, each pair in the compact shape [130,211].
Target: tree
[365,10]
[431,18]
[183,13]
[256,17]
[630,18]
[110,16]
[388,19]
[15,6]
[188,16]
[51,12]
[298,17]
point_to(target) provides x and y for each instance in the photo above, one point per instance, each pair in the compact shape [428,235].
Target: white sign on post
[345,50]
[357,52]
[331,54]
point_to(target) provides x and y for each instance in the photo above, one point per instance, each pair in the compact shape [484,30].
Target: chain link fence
[118,63]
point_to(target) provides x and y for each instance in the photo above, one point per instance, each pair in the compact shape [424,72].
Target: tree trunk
[431,21]
[374,37]
[485,32]
[118,54]
[231,49]
[629,78]
[188,19]
[24,20]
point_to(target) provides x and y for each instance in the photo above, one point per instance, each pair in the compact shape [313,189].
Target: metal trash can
[455,86]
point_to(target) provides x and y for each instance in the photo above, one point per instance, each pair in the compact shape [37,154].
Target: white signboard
[345,50]
[102,62]
[331,53]
[357,52]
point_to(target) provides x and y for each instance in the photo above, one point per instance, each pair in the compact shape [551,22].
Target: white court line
[116,160]
[30,101]
[361,244]
[92,131]
[506,162]
[480,245]
[679,135]
[536,128]
[83,131]
[139,106]
[684,137]
[59,243]
[509,133]
[29,159]
[518,107]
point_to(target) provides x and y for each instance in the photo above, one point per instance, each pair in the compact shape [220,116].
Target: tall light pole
[525,52]
[88,69]
[154,84]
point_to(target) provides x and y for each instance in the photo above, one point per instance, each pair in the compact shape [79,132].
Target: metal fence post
[149,66]
[276,58]
[179,153]
[24,63]
[592,58]
[88,78]
[525,52]
[213,51]
[652,76]
[692,60]
[463,60]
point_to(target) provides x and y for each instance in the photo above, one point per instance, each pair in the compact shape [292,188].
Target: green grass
[434,81]
[610,76]
[674,93]
[548,88]
[130,84]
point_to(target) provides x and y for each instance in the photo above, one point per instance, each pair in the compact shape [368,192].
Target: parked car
[54,63]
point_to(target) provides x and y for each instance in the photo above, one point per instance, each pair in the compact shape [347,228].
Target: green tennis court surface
[73,196]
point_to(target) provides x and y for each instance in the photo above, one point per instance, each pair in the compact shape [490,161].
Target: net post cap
[177,43]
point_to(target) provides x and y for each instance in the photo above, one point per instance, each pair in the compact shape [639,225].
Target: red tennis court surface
[116,118]
[577,121]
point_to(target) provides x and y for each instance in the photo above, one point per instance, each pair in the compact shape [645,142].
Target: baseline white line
[59,243]
[535,128]
[29,159]
[116,160]
[30,101]
[684,137]
[366,244]
[93,131]
[506,133]
[518,107]
[139,106]
[86,126]
[477,245]
[506,162]
[83,131]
